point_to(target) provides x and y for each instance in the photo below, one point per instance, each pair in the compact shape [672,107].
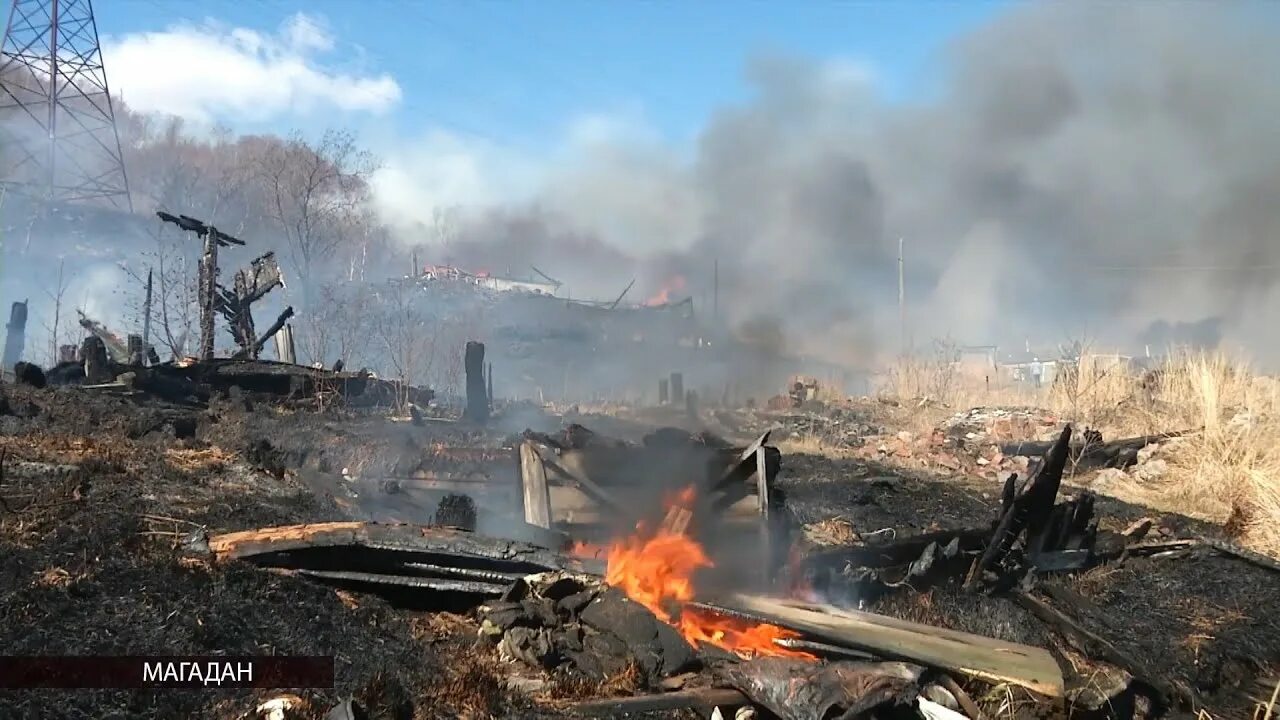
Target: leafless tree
[409,335]
[55,329]
[175,304]
[314,195]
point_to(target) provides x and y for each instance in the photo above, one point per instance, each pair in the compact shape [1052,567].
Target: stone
[1151,470]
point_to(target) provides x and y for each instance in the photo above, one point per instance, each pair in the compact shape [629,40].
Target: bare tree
[175,300]
[408,334]
[55,329]
[314,194]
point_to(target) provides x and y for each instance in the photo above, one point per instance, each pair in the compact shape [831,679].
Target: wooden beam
[984,658]
[703,698]
[766,529]
[584,483]
[533,479]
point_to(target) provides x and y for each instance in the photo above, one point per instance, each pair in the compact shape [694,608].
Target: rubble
[847,619]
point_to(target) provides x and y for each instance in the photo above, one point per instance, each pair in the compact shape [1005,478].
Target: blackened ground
[1205,621]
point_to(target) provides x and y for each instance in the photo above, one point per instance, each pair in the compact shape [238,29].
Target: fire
[673,285]
[656,569]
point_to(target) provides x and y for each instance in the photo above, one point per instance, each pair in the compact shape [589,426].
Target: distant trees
[316,196]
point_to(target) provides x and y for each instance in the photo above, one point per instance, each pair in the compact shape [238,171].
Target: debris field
[501,560]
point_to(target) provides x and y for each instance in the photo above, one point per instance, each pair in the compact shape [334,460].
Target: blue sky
[518,72]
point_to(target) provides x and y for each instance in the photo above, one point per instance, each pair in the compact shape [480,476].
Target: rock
[1152,470]
[1147,453]
[1108,480]
[906,436]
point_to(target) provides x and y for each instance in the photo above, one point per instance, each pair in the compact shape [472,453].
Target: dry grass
[1228,470]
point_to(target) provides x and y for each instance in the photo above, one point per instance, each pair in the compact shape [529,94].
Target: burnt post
[284,345]
[208,277]
[662,391]
[97,369]
[16,339]
[490,389]
[66,353]
[691,404]
[208,294]
[677,388]
[477,398]
[136,353]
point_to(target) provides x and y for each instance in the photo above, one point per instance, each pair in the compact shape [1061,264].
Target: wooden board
[392,537]
[533,479]
[987,659]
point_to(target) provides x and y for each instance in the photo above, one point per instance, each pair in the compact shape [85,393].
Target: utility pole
[902,302]
[208,274]
[715,289]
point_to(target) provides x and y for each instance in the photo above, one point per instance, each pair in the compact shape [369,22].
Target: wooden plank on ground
[984,658]
[766,527]
[702,698]
[533,479]
[392,537]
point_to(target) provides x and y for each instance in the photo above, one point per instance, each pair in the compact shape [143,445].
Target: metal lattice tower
[58,136]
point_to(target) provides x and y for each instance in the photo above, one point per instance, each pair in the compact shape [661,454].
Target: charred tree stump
[66,353]
[136,354]
[208,292]
[16,339]
[663,396]
[677,388]
[97,369]
[489,391]
[477,398]
[1029,512]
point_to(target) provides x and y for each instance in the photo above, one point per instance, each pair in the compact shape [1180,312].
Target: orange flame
[656,570]
[673,285]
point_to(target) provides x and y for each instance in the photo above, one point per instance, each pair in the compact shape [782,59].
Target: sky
[514,74]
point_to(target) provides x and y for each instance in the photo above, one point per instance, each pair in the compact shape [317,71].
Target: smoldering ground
[1079,162]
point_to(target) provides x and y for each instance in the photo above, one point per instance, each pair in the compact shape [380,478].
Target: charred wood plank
[1030,510]
[1091,455]
[798,689]
[410,581]
[477,409]
[402,538]
[702,698]
[584,483]
[533,480]
[974,656]
[898,552]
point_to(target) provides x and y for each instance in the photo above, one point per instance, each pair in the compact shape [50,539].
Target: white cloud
[212,72]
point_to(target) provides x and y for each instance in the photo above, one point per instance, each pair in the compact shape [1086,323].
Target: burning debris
[671,568]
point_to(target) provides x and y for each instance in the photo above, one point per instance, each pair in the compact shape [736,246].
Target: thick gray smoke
[1098,172]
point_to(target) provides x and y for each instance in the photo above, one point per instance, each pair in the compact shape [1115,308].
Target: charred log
[799,690]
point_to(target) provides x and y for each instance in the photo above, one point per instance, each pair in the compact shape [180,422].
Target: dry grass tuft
[188,460]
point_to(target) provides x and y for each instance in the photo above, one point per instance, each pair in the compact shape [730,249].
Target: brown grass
[1231,469]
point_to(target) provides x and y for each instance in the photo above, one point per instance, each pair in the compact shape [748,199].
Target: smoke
[1081,162]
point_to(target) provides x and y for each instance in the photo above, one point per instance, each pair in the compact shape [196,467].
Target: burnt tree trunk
[477,394]
[16,339]
[208,293]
